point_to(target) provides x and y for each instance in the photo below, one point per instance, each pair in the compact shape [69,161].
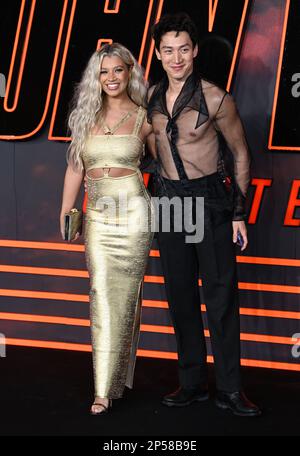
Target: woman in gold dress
[109,129]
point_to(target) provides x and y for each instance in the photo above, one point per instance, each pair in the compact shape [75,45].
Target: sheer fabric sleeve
[228,122]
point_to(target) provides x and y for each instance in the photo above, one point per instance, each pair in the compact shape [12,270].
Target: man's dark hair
[180,22]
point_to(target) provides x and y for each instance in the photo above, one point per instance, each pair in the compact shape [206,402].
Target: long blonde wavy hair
[88,99]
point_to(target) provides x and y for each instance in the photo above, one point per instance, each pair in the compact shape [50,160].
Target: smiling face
[177,54]
[114,76]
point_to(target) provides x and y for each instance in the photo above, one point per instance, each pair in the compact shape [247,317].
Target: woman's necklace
[110,131]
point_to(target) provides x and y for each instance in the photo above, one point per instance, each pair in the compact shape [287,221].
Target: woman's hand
[62,225]
[72,183]
[62,229]
[75,238]
[241,227]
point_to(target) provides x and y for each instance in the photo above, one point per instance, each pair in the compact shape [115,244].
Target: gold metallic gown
[118,238]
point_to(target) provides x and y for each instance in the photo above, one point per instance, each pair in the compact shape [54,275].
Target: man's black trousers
[215,259]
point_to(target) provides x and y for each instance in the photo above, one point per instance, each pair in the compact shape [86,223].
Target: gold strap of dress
[111,131]
[139,121]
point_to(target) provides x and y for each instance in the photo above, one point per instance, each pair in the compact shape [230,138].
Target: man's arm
[228,122]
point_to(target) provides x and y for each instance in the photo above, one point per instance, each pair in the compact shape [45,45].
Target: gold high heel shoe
[105,408]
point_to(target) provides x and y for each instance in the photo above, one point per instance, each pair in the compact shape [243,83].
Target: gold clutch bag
[73,224]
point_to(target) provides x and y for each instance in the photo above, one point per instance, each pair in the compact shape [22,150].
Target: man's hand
[241,227]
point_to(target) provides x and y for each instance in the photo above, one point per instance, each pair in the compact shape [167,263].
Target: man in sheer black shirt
[194,121]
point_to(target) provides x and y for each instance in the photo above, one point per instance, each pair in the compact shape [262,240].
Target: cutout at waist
[98,173]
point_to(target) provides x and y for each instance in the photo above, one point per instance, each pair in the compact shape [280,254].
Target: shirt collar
[191,95]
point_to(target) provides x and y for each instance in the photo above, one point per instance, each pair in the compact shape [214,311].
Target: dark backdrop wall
[43,281]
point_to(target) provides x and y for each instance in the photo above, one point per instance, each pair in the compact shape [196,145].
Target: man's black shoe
[237,403]
[185,396]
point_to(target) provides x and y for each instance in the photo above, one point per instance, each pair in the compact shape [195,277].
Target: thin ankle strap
[97,404]
[103,405]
